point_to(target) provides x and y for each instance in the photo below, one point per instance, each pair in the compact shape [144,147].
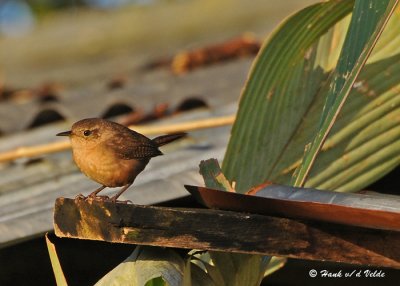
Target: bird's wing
[130,147]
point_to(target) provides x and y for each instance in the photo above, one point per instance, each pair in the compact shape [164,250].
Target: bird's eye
[87,132]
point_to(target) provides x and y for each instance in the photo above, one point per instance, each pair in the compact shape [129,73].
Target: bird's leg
[94,194]
[114,198]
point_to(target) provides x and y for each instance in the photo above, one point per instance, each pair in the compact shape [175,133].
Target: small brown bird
[112,154]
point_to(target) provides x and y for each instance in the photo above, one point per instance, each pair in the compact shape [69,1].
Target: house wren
[112,154]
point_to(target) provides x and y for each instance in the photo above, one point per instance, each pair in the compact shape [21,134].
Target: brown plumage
[112,154]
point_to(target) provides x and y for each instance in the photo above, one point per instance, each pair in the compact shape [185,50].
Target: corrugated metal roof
[141,92]
[28,188]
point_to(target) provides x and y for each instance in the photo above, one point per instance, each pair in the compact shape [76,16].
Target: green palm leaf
[368,21]
[282,103]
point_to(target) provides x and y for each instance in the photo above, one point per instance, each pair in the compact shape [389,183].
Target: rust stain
[258,188]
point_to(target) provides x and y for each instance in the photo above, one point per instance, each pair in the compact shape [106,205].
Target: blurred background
[74,41]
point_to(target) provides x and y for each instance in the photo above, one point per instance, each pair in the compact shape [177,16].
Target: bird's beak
[65,133]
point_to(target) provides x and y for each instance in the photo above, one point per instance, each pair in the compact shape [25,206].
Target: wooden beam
[228,231]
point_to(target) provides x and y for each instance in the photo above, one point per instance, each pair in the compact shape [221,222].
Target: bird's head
[87,133]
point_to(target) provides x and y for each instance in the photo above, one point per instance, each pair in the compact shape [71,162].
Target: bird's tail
[165,139]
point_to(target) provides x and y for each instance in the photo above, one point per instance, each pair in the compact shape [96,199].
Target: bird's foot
[114,200]
[92,197]
[98,198]
[80,197]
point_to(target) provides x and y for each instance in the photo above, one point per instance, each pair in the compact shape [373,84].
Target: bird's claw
[98,198]
[80,197]
[114,200]
[92,197]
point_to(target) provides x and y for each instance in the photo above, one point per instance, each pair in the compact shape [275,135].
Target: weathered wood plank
[225,231]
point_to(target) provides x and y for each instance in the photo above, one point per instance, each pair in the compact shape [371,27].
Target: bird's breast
[107,169]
